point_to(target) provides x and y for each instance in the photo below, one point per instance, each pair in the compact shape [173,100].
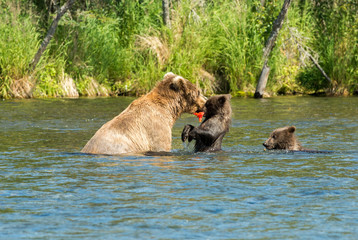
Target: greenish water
[48,190]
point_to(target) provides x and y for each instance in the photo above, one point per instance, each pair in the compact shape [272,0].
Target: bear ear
[292,129]
[174,86]
[222,100]
[177,84]
[228,96]
[169,75]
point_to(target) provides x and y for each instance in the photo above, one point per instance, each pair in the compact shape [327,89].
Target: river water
[48,190]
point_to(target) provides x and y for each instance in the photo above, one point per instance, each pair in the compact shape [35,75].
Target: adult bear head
[180,94]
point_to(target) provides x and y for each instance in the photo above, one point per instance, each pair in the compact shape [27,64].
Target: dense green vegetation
[122,47]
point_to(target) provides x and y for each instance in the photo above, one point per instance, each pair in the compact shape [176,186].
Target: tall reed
[335,40]
[18,44]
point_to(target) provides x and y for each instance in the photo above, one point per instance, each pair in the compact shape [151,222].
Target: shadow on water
[51,190]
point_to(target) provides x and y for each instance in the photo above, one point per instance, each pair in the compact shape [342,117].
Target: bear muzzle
[201,103]
[267,146]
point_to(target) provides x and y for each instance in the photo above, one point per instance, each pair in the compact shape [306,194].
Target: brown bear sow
[146,124]
[210,133]
[283,138]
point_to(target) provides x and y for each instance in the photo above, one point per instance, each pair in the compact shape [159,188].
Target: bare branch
[305,52]
[50,34]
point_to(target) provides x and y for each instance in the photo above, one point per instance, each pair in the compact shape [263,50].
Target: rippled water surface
[48,190]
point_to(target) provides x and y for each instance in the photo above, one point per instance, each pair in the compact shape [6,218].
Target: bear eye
[273,136]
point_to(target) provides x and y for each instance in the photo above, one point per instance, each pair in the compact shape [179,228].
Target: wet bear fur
[146,124]
[210,133]
[283,139]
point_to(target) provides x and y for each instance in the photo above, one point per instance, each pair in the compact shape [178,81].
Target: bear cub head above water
[210,133]
[283,139]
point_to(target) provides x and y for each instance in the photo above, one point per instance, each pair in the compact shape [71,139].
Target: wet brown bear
[283,138]
[146,124]
[210,133]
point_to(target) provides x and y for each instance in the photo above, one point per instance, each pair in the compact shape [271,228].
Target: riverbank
[68,89]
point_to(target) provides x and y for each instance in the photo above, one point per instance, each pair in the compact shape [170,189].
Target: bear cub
[283,139]
[210,133]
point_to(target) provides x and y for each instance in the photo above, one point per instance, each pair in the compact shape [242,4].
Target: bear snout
[267,146]
[203,100]
[201,103]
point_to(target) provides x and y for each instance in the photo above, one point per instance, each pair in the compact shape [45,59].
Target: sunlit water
[48,190]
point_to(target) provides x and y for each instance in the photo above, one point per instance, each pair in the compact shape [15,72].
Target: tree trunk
[270,43]
[166,16]
[260,89]
[50,34]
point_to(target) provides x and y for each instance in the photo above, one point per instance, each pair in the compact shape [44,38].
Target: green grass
[123,46]
[18,45]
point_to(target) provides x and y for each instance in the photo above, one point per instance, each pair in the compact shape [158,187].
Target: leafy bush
[312,79]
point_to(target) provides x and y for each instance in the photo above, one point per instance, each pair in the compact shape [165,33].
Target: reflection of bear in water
[284,139]
[146,124]
[210,133]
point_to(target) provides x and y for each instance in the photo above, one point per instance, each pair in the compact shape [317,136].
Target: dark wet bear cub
[284,139]
[210,133]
